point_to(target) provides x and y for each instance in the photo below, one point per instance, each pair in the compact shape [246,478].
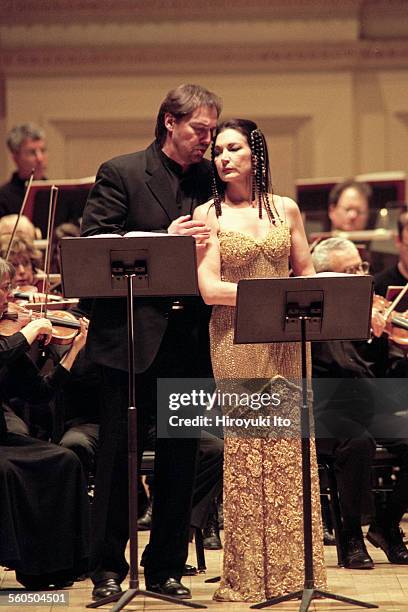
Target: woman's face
[232,156]
[24,270]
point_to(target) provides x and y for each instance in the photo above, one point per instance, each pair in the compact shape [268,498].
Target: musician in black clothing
[396,275]
[27,146]
[43,501]
[353,411]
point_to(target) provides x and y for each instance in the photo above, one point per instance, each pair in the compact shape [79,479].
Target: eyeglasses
[356,211]
[361,268]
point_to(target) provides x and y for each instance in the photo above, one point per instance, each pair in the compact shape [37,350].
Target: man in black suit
[152,190]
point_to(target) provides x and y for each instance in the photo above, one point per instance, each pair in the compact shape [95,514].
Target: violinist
[353,412]
[396,275]
[44,506]
[25,228]
[26,260]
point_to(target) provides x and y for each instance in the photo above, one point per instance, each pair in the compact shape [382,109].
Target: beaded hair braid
[260,186]
[214,188]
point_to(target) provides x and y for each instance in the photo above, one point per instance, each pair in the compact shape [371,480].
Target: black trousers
[351,416]
[175,466]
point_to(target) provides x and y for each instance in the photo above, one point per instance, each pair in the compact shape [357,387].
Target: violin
[30,293]
[396,322]
[65,325]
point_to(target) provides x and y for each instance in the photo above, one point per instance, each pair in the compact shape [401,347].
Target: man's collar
[172,165]
[17,180]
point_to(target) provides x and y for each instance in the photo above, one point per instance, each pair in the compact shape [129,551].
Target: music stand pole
[124,597]
[309,590]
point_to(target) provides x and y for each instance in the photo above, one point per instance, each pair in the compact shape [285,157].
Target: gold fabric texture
[263,518]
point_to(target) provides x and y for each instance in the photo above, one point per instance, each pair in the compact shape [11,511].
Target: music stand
[304,309]
[154,265]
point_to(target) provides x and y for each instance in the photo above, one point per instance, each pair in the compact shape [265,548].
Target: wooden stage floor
[386,586]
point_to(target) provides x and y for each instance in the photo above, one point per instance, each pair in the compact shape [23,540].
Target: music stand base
[124,597]
[306,595]
[213,580]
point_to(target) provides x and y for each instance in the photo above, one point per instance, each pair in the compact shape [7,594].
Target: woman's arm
[300,257]
[212,288]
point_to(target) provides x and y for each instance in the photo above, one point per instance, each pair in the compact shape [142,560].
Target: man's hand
[39,328]
[378,322]
[186,226]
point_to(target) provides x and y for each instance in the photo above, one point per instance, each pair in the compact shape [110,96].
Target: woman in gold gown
[256,234]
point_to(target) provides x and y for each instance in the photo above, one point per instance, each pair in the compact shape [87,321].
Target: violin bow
[23,205]
[396,301]
[47,261]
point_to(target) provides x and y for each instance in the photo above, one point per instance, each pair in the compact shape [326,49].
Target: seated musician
[397,275]
[44,506]
[25,228]
[352,413]
[349,206]
[27,146]
[26,260]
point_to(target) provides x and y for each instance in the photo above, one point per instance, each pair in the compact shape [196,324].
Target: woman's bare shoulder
[286,206]
[205,212]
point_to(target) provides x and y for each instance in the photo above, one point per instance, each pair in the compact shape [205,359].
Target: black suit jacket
[133,192]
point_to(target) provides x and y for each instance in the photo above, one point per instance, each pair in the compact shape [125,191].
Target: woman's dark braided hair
[261,180]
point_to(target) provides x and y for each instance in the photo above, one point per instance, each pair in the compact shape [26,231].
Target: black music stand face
[268,309]
[163,265]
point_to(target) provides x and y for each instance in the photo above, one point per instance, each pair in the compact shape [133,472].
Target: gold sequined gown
[263,524]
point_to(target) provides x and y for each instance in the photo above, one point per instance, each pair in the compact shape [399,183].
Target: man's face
[348,262]
[351,211]
[32,155]
[188,139]
[24,270]
[5,287]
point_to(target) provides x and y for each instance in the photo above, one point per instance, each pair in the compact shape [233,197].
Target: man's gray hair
[322,253]
[19,133]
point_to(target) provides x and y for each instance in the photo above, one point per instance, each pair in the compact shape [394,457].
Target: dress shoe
[144,523]
[171,587]
[211,534]
[356,555]
[106,588]
[190,570]
[391,542]
[44,582]
[329,539]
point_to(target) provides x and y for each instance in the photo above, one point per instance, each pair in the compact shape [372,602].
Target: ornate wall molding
[25,11]
[165,59]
